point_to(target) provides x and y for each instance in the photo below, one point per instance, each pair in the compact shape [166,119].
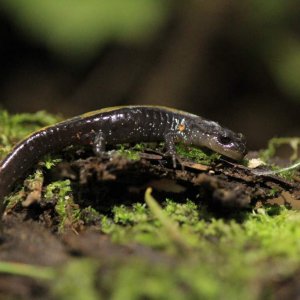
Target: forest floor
[130,226]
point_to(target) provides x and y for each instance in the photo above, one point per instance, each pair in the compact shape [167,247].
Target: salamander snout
[230,144]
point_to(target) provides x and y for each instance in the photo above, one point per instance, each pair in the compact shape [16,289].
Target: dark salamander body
[114,125]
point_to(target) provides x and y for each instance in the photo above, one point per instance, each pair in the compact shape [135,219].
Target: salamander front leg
[170,139]
[99,144]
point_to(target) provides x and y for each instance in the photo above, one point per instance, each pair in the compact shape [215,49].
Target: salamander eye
[224,140]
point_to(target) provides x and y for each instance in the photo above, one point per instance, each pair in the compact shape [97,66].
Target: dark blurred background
[237,62]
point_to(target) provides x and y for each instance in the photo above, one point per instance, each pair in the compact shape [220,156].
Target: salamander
[117,125]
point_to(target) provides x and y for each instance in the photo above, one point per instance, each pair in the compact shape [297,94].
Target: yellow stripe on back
[115,108]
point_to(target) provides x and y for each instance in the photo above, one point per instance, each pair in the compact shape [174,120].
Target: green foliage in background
[15,127]
[273,25]
[77,28]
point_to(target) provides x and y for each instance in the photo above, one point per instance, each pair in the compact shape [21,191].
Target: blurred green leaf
[285,61]
[269,12]
[78,28]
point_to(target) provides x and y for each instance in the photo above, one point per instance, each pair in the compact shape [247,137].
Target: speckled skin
[119,125]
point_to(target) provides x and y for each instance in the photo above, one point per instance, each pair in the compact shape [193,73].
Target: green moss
[33,179]
[132,223]
[197,155]
[224,259]
[13,199]
[145,280]
[21,269]
[89,216]
[273,192]
[125,215]
[205,157]
[49,161]
[58,189]
[76,281]
[186,213]
[288,175]
[231,260]
[32,182]
[131,154]
[68,212]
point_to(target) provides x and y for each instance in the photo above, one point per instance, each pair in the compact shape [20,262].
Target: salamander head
[222,140]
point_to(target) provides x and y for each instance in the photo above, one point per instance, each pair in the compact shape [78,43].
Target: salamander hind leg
[170,139]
